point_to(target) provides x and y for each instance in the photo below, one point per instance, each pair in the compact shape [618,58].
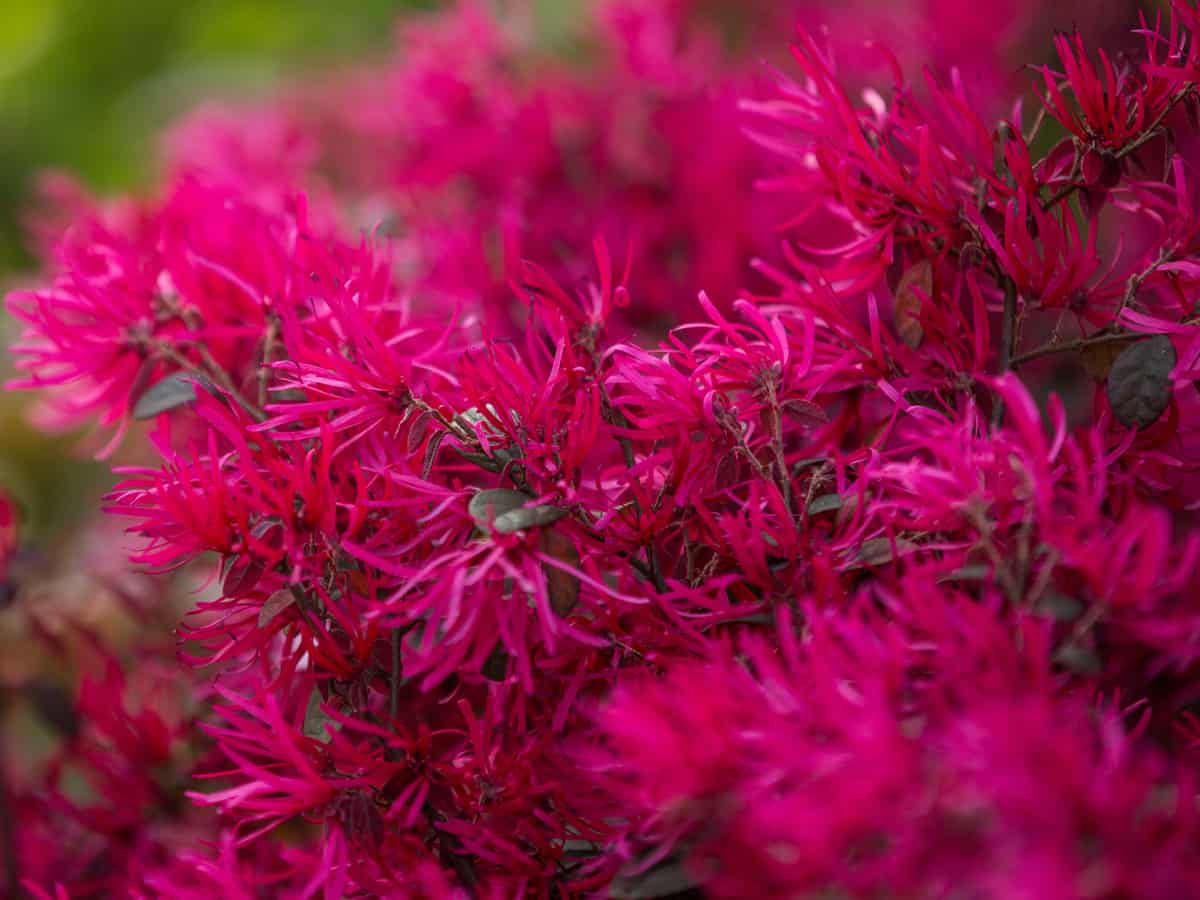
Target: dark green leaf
[806,413]
[562,586]
[505,511]
[1139,384]
[825,503]
[878,551]
[668,879]
[1060,607]
[973,572]
[316,720]
[170,393]
[1079,658]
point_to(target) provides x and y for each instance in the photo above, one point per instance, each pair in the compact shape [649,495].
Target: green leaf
[505,511]
[878,551]
[825,503]
[170,393]
[1060,607]
[316,722]
[667,879]
[1079,658]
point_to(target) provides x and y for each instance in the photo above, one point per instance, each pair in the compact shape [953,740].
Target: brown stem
[264,370]
[396,674]
[1069,346]
[1007,340]
[785,482]
[8,835]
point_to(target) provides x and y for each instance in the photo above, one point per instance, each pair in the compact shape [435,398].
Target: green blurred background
[85,86]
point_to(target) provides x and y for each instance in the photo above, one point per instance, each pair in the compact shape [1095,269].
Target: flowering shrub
[648,478]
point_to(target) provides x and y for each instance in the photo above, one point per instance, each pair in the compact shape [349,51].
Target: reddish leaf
[1098,359]
[274,605]
[562,586]
[916,284]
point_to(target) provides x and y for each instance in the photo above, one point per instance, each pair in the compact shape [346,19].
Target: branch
[1007,340]
[1077,344]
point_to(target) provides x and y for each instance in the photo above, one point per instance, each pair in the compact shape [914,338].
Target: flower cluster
[643,478]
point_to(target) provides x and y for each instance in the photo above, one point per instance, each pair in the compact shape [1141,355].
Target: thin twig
[1077,344]
[396,674]
[8,837]
[1106,337]
[1007,339]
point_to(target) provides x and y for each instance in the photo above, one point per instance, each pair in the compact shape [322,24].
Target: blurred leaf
[274,605]
[172,392]
[55,706]
[506,512]
[562,586]
[916,285]
[316,720]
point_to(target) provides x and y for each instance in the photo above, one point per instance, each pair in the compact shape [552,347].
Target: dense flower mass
[661,475]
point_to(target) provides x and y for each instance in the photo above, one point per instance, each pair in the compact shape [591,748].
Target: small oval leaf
[563,587]
[505,511]
[274,605]
[239,574]
[1060,607]
[916,284]
[878,551]
[825,503]
[487,505]
[528,517]
[1139,385]
[805,412]
[667,879]
[170,393]
[417,431]
[316,719]
[431,452]
[972,572]
[1079,659]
